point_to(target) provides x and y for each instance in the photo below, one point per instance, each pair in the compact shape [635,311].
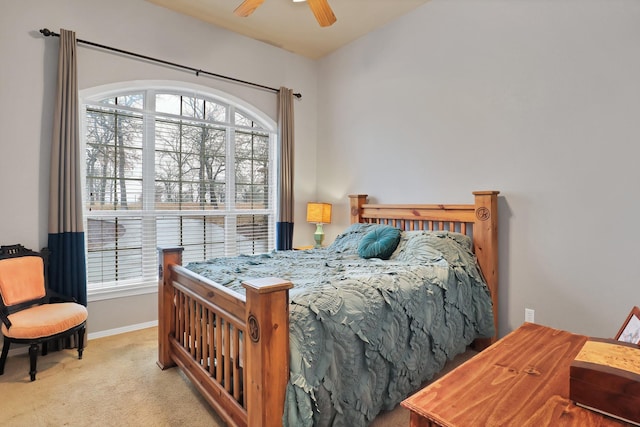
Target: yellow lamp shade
[319,213]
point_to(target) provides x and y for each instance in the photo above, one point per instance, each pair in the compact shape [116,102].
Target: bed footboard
[234,349]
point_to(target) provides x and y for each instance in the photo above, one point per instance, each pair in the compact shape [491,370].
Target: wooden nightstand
[521,380]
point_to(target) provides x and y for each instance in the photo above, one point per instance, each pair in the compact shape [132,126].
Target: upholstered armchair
[30,312]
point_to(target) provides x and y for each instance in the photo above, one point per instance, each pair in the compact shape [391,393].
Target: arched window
[172,166]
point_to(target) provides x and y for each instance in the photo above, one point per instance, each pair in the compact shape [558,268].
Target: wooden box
[605,377]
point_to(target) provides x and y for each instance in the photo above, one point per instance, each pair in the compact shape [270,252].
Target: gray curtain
[67,267]
[284,225]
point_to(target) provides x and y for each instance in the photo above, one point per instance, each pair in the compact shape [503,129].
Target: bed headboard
[478,220]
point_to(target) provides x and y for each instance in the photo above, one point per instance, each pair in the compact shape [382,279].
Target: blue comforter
[364,333]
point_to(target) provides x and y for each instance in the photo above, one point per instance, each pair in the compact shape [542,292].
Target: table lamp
[319,213]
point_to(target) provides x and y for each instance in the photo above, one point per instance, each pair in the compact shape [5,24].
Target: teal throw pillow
[379,243]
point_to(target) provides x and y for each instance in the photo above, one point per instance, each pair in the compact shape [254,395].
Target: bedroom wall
[539,99]
[27,86]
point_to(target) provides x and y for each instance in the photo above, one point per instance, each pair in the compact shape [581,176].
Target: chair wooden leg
[80,342]
[33,357]
[5,352]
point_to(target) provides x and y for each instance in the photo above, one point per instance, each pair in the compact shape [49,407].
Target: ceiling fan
[320,8]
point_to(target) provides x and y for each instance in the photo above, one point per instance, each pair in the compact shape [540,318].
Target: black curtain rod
[47,33]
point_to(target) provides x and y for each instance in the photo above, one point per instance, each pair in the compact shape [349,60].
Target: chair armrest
[5,317]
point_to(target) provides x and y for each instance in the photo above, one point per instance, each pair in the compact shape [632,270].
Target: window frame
[91,96]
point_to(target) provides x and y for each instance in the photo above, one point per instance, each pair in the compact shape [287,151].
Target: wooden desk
[521,380]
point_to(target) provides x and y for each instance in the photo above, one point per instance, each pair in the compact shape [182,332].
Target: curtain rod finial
[45,32]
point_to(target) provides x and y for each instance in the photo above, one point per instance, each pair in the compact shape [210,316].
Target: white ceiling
[292,26]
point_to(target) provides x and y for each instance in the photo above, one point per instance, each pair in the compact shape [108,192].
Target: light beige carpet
[117,383]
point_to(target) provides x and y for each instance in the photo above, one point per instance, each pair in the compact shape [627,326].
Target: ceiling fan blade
[322,11]
[247,7]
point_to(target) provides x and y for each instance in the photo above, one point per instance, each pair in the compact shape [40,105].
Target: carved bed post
[355,207]
[166,313]
[485,239]
[267,350]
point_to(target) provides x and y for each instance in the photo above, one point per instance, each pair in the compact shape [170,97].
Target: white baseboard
[24,349]
[122,330]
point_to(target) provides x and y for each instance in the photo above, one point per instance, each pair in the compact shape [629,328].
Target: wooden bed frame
[235,348]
